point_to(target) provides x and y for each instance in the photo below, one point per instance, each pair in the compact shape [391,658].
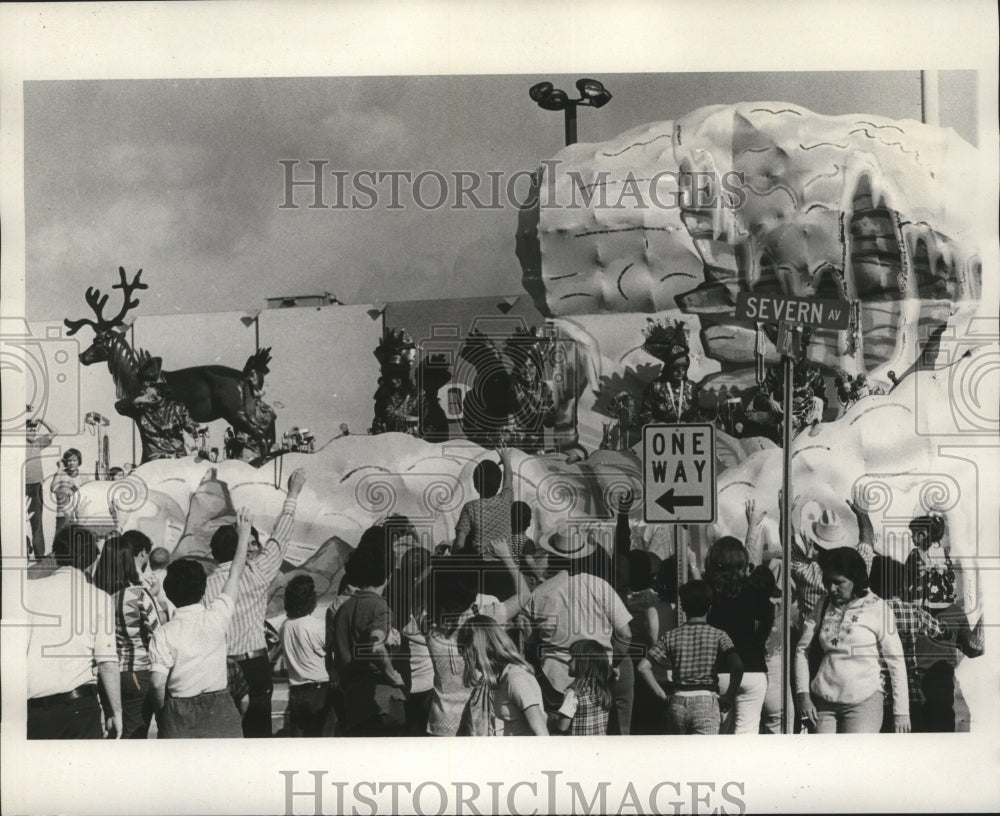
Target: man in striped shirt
[245,637]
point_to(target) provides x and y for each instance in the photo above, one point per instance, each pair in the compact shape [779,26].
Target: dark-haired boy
[188,652]
[303,641]
[693,652]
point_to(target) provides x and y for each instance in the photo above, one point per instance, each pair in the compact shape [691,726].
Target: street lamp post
[592,93]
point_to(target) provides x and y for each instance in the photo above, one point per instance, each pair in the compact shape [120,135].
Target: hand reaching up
[296,481]
[244,524]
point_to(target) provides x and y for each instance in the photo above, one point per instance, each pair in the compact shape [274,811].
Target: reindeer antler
[97,302]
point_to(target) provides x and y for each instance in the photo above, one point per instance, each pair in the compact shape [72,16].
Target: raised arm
[244,525]
[623,531]
[866,533]
[754,540]
[508,470]
[269,561]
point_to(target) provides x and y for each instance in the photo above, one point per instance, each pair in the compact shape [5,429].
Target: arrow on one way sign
[668,501]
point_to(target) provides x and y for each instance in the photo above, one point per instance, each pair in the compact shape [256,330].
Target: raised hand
[244,523]
[754,516]
[296,482]
[499,547]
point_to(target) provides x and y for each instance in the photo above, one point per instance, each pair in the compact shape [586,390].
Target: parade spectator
[692,653]
[403,535]
[136,619]
[408,595]
[640,601]
[576,603]
[188,653]
[491,658]
[245,638]
[771,713]
[303,643]
[843,641]
[454,592]
[454,598]
[533,559]
[71,636]
[487,517]
[37,440]
[140,547]
[65,485]
[930,573]
[641,598]
[159,560]
[914,623]
[741,608]
[587,702]
[361,637]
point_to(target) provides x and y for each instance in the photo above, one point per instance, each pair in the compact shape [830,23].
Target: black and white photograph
[432,372]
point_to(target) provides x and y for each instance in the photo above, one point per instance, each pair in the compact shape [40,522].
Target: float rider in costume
[396,396]
[161,420]
[532,406]
[671,397]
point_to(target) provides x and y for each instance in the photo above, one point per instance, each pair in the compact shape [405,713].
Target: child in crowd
[303,642]
[587,703]
[159,560]
[693,652]
[491,658]
[487,517]
[188,652]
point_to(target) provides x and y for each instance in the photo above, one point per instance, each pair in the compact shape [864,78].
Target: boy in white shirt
[188,652]
[303,641]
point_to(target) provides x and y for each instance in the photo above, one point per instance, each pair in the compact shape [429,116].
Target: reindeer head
[105,329]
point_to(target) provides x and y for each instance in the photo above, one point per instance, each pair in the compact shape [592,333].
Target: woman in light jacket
[852,627]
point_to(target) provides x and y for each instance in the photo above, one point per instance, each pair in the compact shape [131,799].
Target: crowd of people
[496,634]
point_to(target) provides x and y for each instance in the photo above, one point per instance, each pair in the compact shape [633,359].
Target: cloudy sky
[182,178]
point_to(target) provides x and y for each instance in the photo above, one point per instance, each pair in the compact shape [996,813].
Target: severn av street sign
[679,473]
[823,314]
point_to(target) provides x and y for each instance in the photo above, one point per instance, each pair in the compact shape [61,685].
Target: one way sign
[679,471]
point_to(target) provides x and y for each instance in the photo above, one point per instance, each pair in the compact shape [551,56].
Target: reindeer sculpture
[210,392]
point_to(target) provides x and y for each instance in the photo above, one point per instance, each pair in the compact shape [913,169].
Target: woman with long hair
[136,618]
[741,608]
[587,703]
[837,659]
[491,658]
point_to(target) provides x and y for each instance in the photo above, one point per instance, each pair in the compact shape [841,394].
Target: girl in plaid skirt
[587,703]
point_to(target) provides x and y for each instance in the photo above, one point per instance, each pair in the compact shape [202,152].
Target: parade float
[635,251]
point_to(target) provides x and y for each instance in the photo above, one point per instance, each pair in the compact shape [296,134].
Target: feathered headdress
[396,350]
[666,340]
[524,347]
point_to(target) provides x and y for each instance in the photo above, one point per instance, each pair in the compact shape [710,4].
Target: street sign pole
[791,314]
[786,545]
[682,570]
